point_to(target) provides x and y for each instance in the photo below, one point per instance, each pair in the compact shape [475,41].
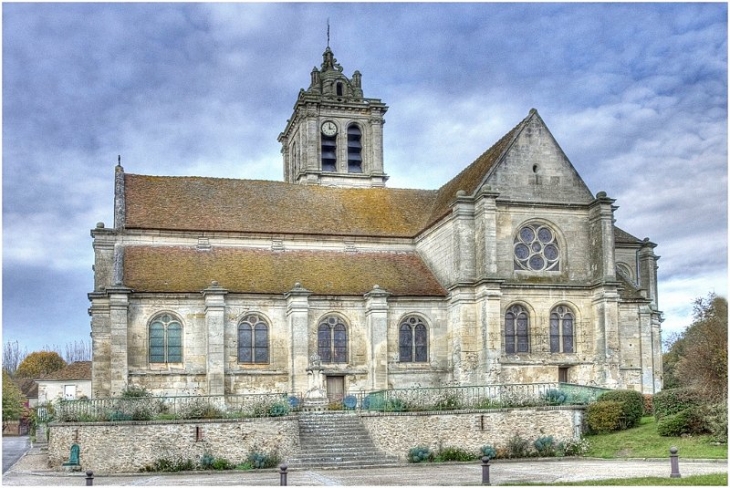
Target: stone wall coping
[125,423]
[471,411]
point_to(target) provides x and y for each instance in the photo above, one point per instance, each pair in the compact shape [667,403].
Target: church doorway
[335,388]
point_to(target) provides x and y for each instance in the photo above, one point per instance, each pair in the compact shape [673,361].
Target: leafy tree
[697,359]
[39,363]
[12,398]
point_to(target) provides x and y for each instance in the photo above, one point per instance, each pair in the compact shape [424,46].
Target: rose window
[536,249]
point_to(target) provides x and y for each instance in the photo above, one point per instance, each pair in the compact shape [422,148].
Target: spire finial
[119,160]
[328,32]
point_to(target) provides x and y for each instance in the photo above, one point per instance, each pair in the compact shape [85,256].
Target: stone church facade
[511,272]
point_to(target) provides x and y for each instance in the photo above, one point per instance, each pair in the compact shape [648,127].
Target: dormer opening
[339,88]
[354,149]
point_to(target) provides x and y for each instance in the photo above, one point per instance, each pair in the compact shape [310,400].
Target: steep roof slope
[79,370]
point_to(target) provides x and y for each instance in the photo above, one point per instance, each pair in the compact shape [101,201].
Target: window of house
[561,330]
[332,340]
[536,249]
[413,341]
[253,340]
[516,330]
[165,339]
[329,153]
[354,149]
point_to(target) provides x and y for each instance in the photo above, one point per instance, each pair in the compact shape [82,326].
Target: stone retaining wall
[396,433]
[129,446]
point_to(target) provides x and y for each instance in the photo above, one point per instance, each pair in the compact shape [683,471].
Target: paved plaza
[32,470]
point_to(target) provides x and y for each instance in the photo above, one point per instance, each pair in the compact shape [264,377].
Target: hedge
[632,406]
[604,416]
[673,401]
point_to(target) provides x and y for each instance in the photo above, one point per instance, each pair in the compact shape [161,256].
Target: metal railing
[414,399]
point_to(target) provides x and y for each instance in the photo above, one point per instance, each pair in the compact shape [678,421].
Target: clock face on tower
[329,128]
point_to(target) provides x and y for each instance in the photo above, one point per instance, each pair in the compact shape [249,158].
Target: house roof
[238,270]
[28,387]
[258,206]
[623,237]
[79,370]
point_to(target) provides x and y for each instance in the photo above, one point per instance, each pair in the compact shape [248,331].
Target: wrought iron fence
[278,404]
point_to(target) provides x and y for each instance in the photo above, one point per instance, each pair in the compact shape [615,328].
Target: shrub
[260,460]
[716,422]
[632,408]
[545,446]
[517,447]
[576,448]
[279,410]
[134,391]
[220,464]
[455,454]
[604,416]
[419,454]
[554,397]
[648,405]
[448,401]
[206,461]
[688,421]
[170,465]
[488,451]
[672,401]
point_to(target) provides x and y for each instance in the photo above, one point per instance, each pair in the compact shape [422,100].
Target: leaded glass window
[332,340]
[253,340]
[536,249]
[413,341]
[165,333]
[561,330]
[516,330]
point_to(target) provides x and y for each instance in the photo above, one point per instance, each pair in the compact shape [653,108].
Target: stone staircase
[336,440]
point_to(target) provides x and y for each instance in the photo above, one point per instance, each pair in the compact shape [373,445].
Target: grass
[718,479]
[644,442]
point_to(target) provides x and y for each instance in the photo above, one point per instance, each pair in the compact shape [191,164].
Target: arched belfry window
[412,340]
[354,149]
[536,249]
[562,329]
[329,152]
[253,340]
[165,333]
[332,340]
[516,330]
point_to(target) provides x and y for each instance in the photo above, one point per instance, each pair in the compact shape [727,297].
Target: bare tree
[77,351]
[13,356]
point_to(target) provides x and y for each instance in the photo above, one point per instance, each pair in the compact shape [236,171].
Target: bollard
[282,474]
[674,461]
[89,478]
[485,470]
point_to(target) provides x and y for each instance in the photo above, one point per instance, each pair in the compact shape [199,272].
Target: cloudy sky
[636,95]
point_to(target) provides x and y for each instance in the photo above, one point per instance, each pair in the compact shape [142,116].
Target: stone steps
[332,440]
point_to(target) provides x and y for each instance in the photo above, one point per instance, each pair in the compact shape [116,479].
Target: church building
[511,272]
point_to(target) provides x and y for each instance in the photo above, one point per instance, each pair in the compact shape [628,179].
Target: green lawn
[719,479]
[644,442]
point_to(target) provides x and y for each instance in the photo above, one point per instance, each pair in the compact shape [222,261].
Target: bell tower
[335,135]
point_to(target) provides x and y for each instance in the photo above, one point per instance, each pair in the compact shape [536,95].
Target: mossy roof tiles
[79,370]
[238,270]
[257,206]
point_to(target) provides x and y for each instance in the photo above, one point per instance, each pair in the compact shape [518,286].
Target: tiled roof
[258,206]
[184,269]
[621,236]
[28,387]
[217,204]
[80,370]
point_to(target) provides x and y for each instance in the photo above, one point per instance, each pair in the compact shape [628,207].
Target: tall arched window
[562,329]
[332,340]
[516,330]
[253,340]
[165,334]
[354,149]
[413,340]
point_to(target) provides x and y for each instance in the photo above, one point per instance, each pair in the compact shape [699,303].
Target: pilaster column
[376,316]
[603,262]
[297,313]
[118,313]
[648,271]
[486,233]
[490,299]
[606,334]
[463,212]
[465,334]
[215,308]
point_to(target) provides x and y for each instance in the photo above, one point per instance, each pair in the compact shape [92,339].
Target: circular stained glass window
[536,249]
